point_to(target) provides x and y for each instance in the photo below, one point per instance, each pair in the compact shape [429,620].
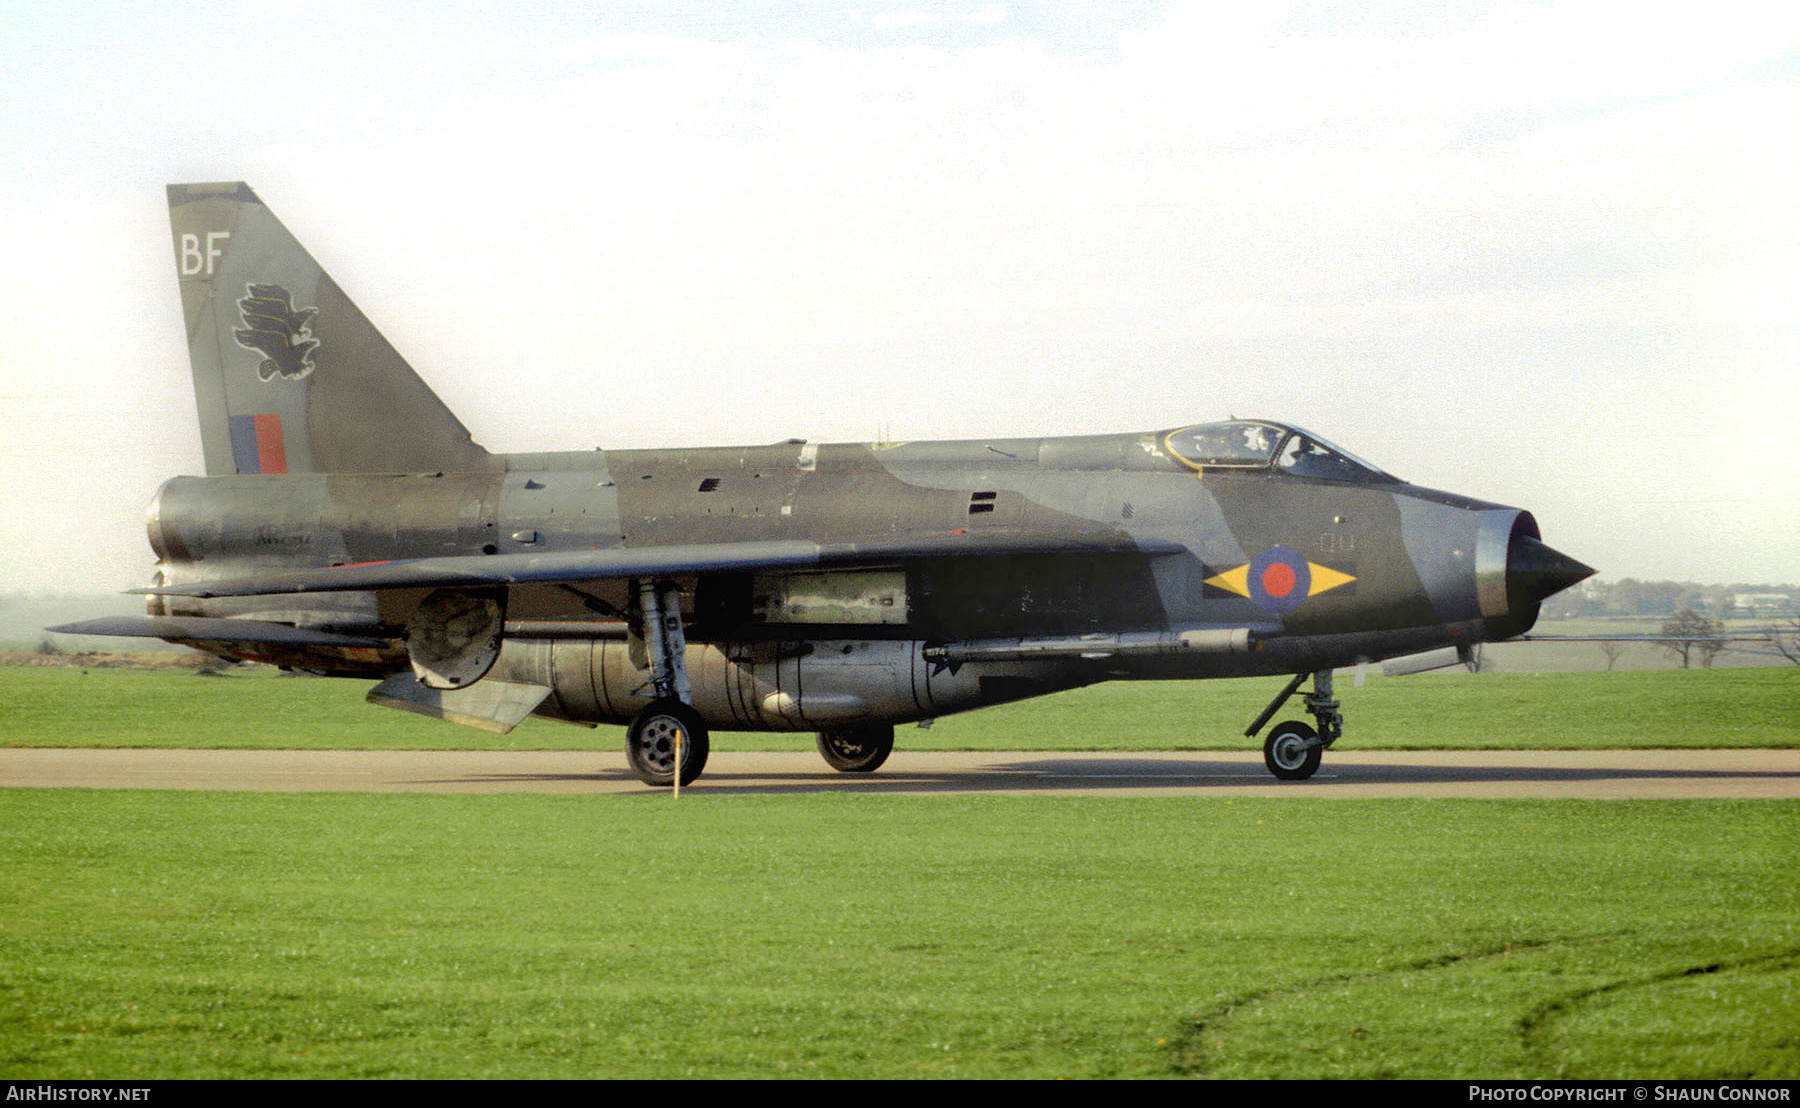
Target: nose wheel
[1292,750]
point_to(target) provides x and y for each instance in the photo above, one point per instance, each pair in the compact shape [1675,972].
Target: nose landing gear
[1292,750]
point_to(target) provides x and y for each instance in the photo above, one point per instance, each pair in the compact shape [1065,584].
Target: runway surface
[1612,774]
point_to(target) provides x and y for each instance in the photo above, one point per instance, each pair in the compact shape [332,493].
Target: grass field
[62,706]
[167,935]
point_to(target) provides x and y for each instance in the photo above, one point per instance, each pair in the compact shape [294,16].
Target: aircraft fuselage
[1348,570]
[350,525]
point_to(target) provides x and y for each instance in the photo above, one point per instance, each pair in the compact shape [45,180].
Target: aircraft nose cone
[1535,571]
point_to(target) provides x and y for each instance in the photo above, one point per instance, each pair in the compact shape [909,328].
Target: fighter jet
[349,525]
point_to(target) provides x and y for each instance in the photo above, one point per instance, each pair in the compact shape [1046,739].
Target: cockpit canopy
[1246,445]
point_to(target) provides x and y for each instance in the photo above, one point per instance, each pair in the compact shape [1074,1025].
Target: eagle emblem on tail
[275,329]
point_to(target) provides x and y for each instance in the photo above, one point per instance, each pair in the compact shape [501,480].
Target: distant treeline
[1631,598]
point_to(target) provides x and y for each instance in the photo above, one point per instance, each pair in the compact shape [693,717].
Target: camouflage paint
[349,524]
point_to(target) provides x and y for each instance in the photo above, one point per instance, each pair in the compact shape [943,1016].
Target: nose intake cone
[1535,571]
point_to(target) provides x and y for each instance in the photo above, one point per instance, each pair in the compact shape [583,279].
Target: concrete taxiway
[1611,774]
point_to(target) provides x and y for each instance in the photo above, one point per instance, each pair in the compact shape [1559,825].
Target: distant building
[1763,601]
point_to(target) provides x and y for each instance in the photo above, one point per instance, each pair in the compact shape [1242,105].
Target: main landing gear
[668,737]
[668,731]
[661,733]
[1292,750]
[859,749]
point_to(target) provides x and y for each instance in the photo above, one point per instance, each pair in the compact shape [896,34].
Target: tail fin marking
[289,376]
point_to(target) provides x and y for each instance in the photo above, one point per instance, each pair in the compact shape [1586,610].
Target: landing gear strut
[1293,750]
[668,730]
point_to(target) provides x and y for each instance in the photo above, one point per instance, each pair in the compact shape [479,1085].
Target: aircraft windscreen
[1252,444]
[1307,455]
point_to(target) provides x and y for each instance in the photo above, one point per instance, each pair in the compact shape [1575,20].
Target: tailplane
[289,376]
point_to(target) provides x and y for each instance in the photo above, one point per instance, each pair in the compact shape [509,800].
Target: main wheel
[1292,751]
[650,743]
[857,749]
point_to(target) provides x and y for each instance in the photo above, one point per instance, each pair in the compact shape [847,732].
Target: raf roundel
[1279,580]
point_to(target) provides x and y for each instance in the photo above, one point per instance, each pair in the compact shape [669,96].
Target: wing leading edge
[475,571]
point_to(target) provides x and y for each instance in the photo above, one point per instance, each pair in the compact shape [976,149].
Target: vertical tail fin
[288,374]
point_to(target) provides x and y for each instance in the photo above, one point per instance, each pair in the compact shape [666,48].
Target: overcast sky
[1544,254]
